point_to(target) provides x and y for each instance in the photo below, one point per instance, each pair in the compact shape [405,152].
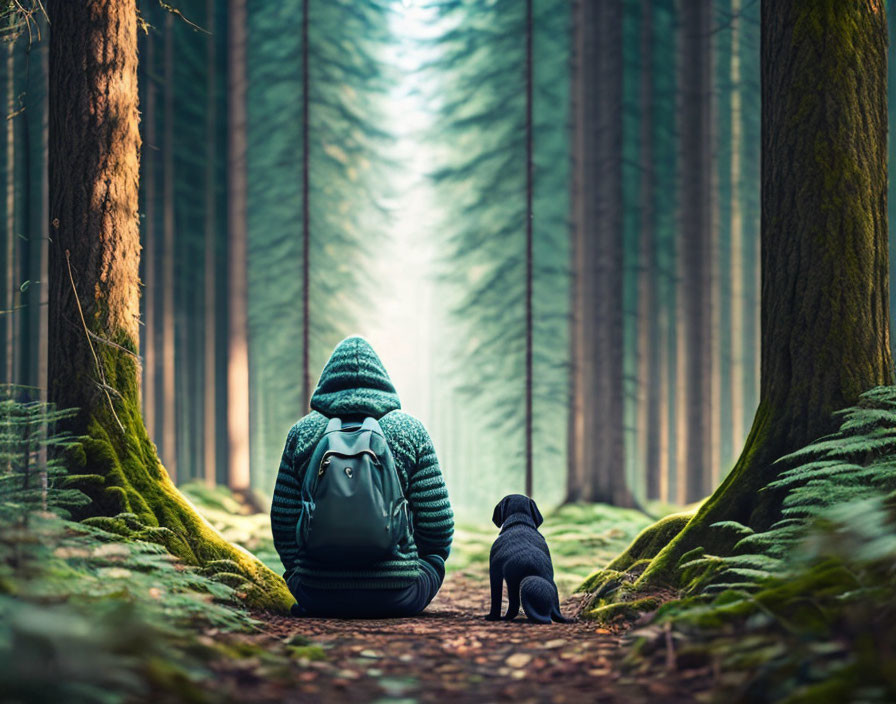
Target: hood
[354,383]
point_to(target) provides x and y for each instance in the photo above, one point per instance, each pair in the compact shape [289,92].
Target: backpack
[353,507]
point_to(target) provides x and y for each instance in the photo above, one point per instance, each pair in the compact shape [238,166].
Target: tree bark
[238,347]
[94,288]
[825,317]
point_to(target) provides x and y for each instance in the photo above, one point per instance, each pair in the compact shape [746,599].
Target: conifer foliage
[478,98]
[343,189]
[810,598]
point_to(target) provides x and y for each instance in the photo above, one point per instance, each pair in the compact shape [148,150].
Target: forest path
[450,653]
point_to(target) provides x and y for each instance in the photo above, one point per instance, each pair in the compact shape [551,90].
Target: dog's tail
[540,600]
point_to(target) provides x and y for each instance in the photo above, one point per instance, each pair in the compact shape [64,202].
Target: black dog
[520,556]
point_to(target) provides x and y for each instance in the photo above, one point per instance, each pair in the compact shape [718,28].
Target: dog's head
[516,503]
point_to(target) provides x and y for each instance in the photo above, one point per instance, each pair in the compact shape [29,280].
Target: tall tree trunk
[663,405]
[43,229]
[237,347]
[599,277]
[824,229]
[750,196]
[168,445]
[94,286]
[306,215]
[695,259]
[34,210]
[210,388]
[604,426]
[891,151]
[528,294]
[12,274]
[649,411]
[575,442]
[739,305]
[148,251]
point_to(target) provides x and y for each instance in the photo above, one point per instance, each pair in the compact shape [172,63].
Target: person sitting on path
[360,513]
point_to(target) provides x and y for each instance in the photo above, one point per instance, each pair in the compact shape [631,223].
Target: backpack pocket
[402,522]
[303,526]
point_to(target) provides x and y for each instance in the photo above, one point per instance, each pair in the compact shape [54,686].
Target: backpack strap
[372,424]
[334,424]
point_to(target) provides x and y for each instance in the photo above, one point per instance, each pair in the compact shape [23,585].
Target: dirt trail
[451,654]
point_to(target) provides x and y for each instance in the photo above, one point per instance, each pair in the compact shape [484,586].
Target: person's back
[354,386]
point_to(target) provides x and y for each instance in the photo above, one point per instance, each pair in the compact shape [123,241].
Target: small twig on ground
[99,367]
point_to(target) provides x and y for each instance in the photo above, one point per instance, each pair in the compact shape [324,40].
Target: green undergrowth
[804,611]
[100,610]
[88,617]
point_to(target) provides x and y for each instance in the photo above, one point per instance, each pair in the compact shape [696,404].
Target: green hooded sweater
[353,386]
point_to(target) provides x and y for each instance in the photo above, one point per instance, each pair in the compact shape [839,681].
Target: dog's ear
[498,515]
[536,514]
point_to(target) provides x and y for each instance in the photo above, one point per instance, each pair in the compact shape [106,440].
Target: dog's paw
[492,617]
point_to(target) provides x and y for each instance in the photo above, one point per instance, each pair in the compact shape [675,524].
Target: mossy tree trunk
[94,292]
[825,327]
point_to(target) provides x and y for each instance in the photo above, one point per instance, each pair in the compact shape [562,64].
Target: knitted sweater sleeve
[428,500]
[286,505]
